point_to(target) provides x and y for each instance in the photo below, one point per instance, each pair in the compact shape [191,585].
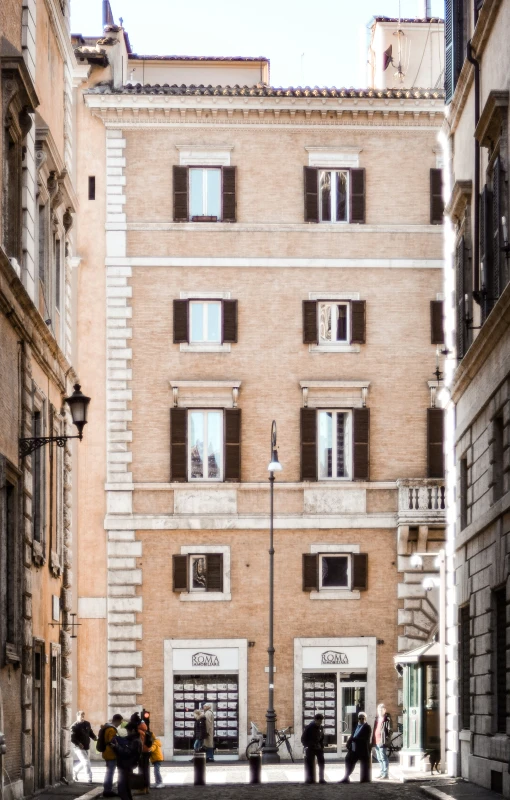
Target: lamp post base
[270,755]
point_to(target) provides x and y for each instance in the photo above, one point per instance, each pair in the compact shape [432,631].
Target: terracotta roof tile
[138,57]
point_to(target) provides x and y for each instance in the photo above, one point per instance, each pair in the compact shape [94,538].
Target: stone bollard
[199,769]
[255,760]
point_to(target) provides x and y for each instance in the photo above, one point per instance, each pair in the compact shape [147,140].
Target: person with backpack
[128,750]
[81,734]
[103,746]
[156,756]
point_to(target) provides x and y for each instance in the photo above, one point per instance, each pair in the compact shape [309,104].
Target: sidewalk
[460,790]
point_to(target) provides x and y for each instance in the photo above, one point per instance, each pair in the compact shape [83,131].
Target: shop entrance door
[352,701]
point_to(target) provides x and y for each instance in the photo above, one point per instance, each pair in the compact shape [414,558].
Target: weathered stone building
[478,431]
[36,210]
[269,254]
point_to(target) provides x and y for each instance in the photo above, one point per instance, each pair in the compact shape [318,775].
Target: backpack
[127,750]
[149,738]
[101,743]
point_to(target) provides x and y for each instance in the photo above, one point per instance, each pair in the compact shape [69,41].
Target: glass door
[352,693]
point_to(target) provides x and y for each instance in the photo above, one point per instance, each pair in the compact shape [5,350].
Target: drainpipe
[476,233]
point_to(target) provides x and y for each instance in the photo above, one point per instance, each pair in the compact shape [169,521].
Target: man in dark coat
[358,749]
[313,742]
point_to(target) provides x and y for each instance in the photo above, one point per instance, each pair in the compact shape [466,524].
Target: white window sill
[203,347]
[205,597]
[334,348]
[341,594]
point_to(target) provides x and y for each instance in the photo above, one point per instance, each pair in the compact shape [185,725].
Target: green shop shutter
[178,446]
[232,444]
[310,572]
[311,194]
[180,573]
[308,444]
[359,572]
[214,562]
[361,443]
[180,194]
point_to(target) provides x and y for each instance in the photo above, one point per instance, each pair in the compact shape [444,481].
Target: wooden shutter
[361,443]
[459,47]
[310,572]
[229,194]
[359,580]
[311,194]
[358,321]
[357,195]
[435,460]
[180,573]
[436,322]
[178,446]
[436,197]
[229,321]
[232,444]
[496,228]
[310,332]
[461,305]
[180,321]
[180,194]
[308,444]
[214,563]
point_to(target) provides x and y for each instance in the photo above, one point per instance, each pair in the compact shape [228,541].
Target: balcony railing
[421,500]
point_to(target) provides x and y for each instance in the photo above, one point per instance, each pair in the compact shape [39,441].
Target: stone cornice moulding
[459,199]
[276,227]
[488,129]
[45,143]
[250,486]
[292,263]
[337,394]
[205,394]
[241,522]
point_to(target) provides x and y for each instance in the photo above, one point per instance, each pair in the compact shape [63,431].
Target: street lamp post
[269,751]
[428,584]
[78,404]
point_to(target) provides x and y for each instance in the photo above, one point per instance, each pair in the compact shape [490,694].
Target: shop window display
[190,693]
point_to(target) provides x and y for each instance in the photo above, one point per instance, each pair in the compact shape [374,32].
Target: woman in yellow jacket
[156,757]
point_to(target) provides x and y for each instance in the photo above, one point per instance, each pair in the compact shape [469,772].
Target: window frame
[206,412]
[192,558]
[333,193]
[348,323]
[205,216]
[205,596]
[348,437]
[351,550]
[345,588]
[205,302]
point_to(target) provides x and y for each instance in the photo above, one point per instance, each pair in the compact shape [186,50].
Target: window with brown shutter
[229,194]
[358,321]
[436,322]
[359,572]
[214,572]
[497,260]
[310,572]
[178,444]
[357,195]
[311,194]
[232,444]
[180,194]
[361,444]
[229,321]
[180,321]
[485,251]
[310,334]
[308,444]
[180,573]
[435,458]
[436,197]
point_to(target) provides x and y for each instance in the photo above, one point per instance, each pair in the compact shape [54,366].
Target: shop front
[337,678]
[202,671]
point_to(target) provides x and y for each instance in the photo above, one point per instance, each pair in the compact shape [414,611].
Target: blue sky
[309,43]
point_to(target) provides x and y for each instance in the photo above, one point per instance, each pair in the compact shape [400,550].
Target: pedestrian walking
[381,738]
[128,751]
[103,746]
[156,757]
[147,741]
[313,742]
[200,730]
[358,749]
[209,732]
[81,734]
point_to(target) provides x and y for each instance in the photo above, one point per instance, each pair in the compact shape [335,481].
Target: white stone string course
[123,550]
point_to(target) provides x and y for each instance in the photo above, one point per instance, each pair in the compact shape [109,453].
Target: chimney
[107,14]
[424,11]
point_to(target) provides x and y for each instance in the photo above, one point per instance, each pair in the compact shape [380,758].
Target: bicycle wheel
[289,748]
[253,748]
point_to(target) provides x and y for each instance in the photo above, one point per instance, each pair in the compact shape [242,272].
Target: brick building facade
[269,254]
[36,208]
[477,145]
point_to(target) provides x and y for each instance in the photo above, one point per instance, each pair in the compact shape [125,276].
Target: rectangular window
[334,434]
[463,474]
[205,193]
[334,572]
[205,445]
[500,655]
[464,671]
[92,187]
[205,322]
[334,195]
[198,573]
[334,324]
[58,272]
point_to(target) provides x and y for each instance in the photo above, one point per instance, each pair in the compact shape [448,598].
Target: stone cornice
[459,199]
[26,320]
[488,129]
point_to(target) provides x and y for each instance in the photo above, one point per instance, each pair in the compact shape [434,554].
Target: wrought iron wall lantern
[78,404]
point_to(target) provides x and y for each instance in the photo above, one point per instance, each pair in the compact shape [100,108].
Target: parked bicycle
[258,740]
[395,744]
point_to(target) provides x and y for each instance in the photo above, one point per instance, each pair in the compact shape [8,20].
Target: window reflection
[205,436]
